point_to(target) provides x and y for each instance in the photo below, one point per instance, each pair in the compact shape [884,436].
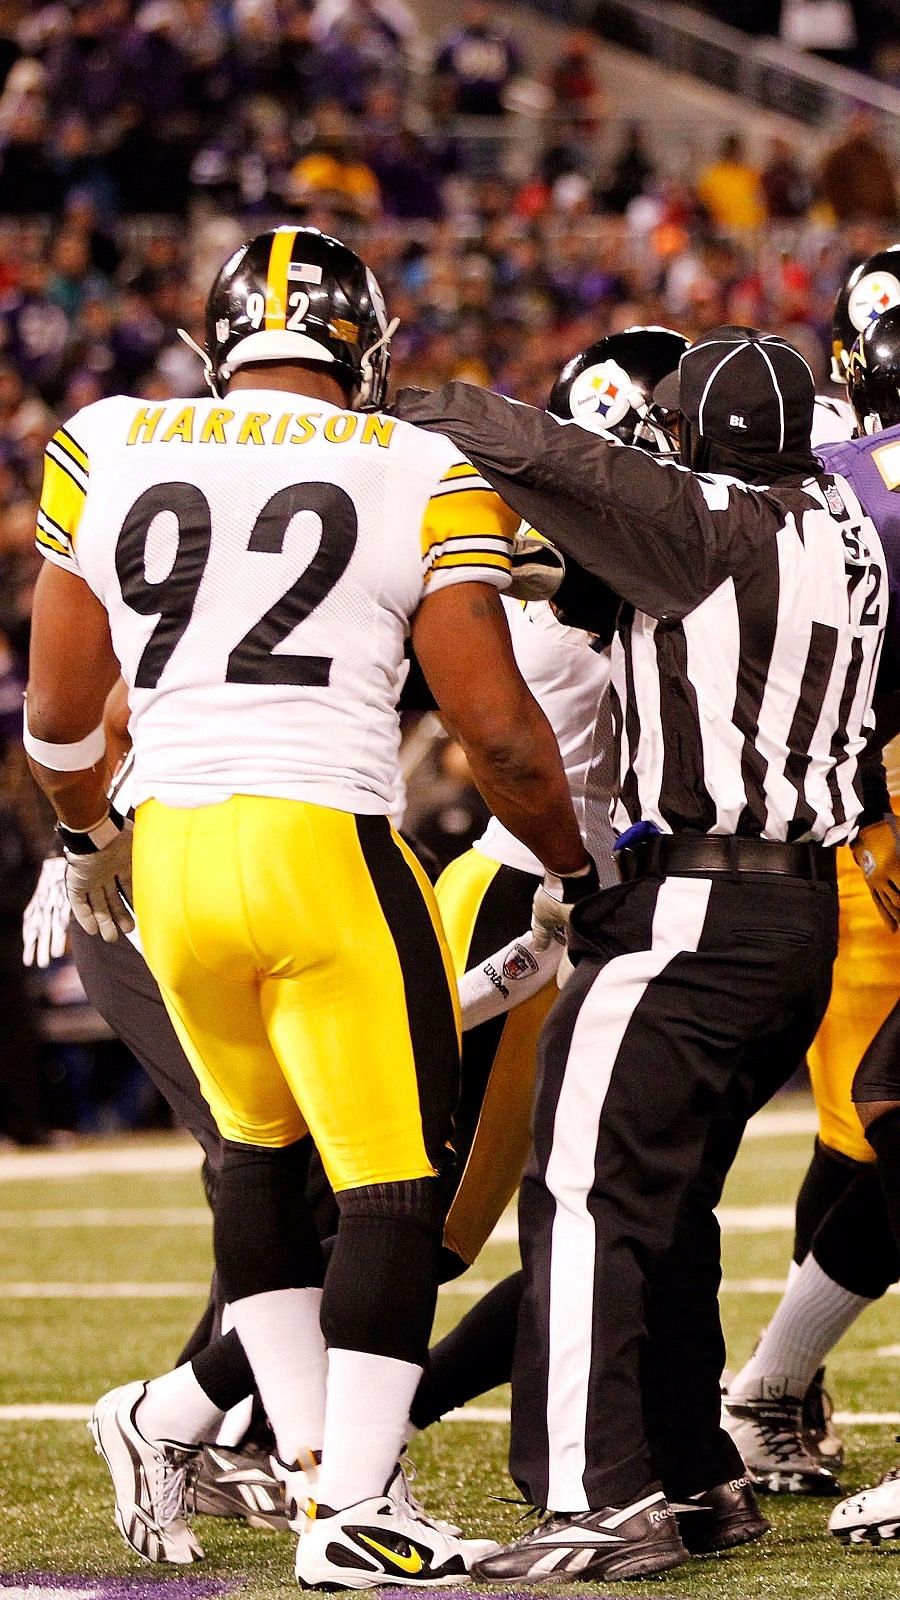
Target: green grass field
[55,1501]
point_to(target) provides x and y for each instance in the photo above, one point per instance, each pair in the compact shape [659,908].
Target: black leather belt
[683,854]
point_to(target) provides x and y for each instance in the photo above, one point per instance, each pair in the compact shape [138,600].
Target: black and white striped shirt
[751,627]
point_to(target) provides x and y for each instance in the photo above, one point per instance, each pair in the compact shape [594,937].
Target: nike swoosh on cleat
[411,1563]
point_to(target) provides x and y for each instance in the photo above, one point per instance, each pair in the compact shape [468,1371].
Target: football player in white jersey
[253,564]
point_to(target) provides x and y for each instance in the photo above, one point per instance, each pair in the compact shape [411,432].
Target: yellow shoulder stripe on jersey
[66,442]
[277,277]
[462,469]
[49,537]
[62,501]
[471,527]
[472,558]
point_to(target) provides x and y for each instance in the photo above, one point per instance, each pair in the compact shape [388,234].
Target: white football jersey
[569,680]
[260,558]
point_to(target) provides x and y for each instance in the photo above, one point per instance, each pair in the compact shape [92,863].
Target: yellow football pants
[483,906]
[300,955]
[866,986]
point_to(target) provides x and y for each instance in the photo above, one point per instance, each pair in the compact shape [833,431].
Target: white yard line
[108,1217]
[103,1291]
[79,1413]
[182,1155]
[460,1288]
[176,1156]
[782,1124]
[734,1219]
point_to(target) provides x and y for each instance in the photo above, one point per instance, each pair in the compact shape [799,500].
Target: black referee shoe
[720,1518]
[632,1541]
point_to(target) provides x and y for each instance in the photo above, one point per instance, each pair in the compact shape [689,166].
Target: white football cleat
[767,1427]
[871,1515]
[379,1542]
[148,1480]
[399,1489]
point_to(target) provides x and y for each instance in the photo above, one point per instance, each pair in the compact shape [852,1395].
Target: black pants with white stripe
[692,1000]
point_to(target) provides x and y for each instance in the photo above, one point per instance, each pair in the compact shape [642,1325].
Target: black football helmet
[873,287]
[295,294]
[610,385]
[873,375]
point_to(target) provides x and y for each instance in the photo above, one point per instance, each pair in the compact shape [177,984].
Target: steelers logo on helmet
[604,391]
[875,292]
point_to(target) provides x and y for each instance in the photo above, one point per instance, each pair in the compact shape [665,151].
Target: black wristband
[87,841]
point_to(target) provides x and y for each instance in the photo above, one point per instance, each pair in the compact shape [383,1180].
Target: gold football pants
[866,985]
[300,955]
[484,905]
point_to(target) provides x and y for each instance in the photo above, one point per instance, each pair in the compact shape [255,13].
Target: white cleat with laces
[148,1480]
[377,1542]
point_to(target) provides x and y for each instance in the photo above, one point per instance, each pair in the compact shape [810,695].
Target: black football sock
[223,1371]
[474,1357]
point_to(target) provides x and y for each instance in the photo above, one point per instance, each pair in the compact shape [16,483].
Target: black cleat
[633,1541]
[236,1483]
[720,1518]
[818,1432]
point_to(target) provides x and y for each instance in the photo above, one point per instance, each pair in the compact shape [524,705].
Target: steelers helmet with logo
[610,386]
[873,374]
[873,287]
[295,294]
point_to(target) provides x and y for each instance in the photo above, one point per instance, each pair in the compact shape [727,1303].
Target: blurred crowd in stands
[510,221]
[862,34]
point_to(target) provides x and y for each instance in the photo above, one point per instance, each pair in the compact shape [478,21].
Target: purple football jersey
[872,466]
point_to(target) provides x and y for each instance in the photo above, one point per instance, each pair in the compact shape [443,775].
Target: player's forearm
[519,771]
[78,798]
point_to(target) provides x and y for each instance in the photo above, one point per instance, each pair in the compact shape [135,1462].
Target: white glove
[98,876]
[554,901]
[45,921]
[538,568]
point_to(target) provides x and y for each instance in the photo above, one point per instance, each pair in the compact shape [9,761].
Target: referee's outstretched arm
[662,537]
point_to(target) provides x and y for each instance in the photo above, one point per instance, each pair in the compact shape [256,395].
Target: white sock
[235,1423]
[813,1315]
[793,1269]
[366,1423]
[283,1341]
[175,1407]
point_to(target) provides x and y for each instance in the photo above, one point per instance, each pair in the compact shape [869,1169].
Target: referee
[754,598]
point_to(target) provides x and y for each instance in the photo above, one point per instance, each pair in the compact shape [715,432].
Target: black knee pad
[855,1244]
[829,1173]
[264,1234]
[381,1286]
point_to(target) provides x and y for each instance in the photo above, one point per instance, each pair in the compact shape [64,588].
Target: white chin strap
[366,368]
[208,371]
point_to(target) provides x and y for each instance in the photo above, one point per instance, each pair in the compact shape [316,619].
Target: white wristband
[75,757]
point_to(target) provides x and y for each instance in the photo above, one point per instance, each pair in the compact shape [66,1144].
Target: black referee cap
[749,390]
